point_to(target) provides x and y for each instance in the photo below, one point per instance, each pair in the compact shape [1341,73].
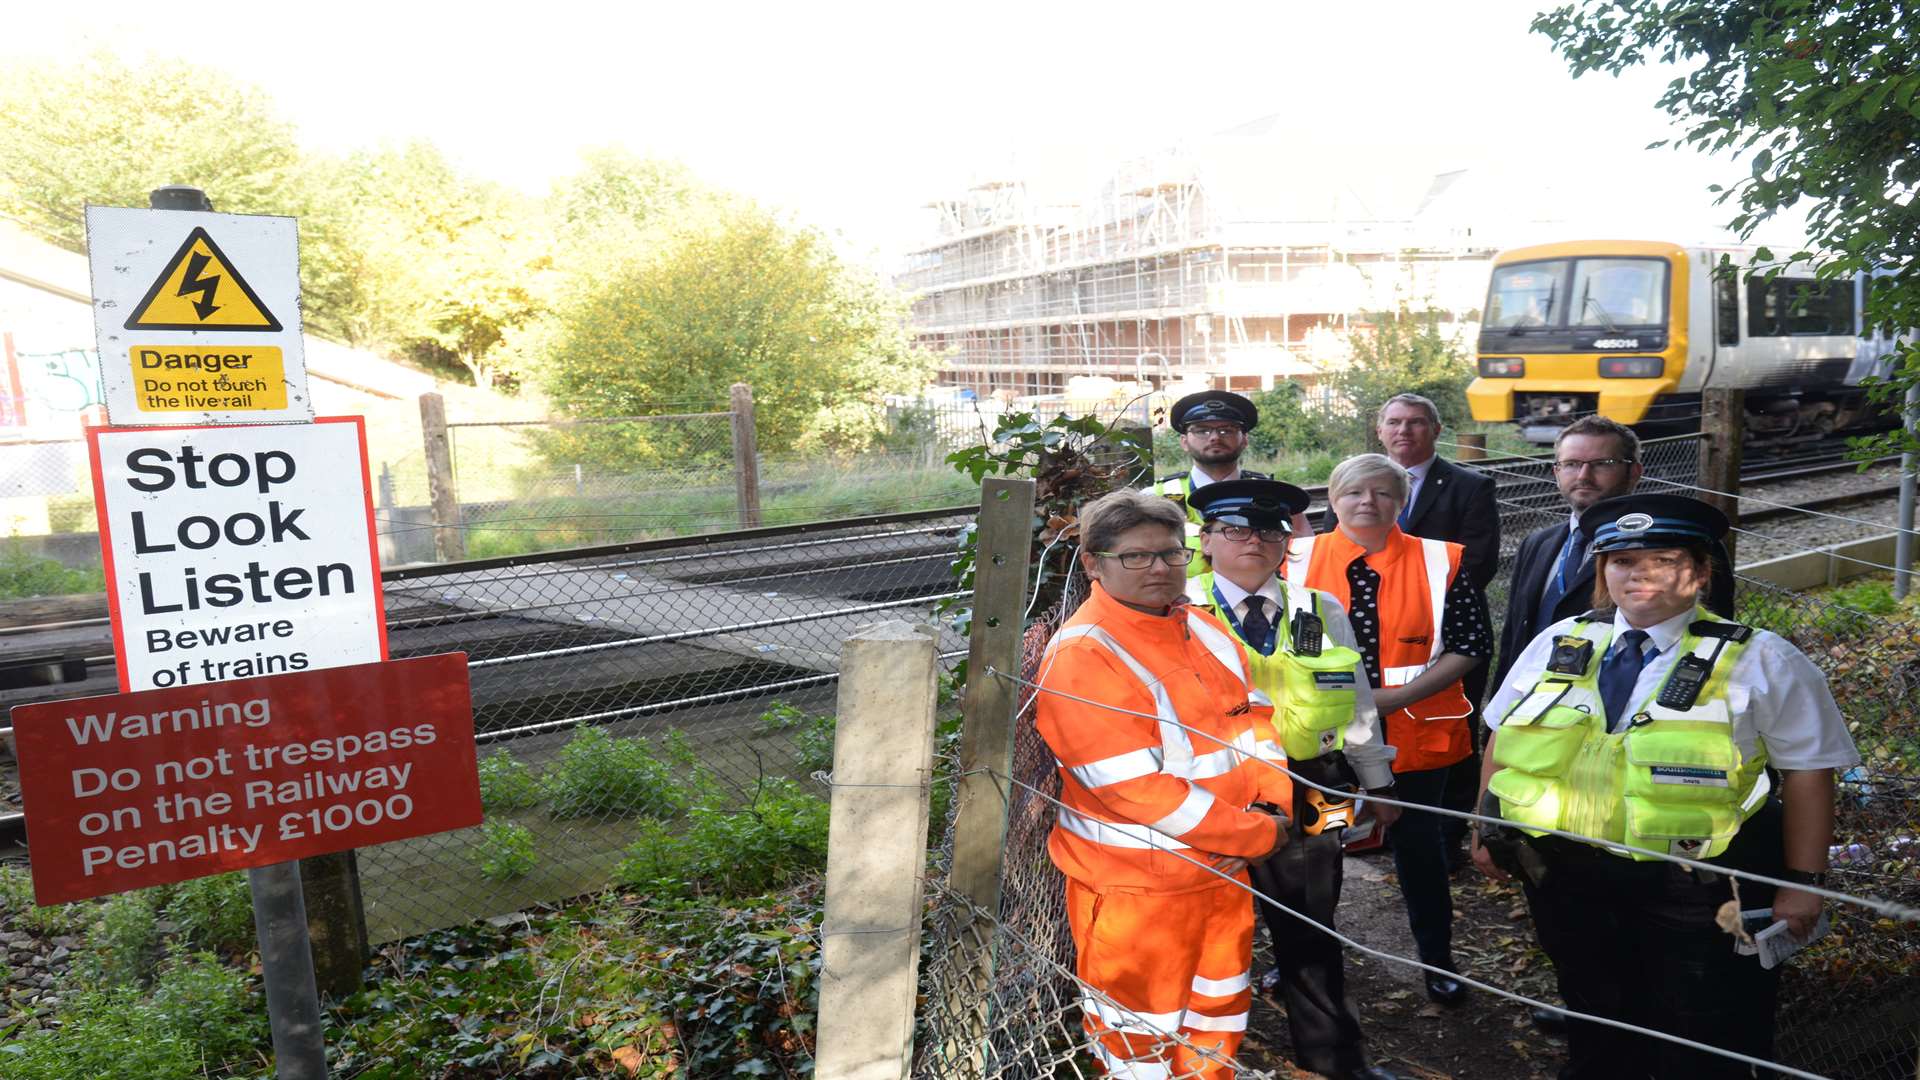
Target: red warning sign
[130,790]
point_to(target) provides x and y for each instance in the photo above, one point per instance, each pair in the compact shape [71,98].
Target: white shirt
[1416,476]
[1777,696]
[1197,479]
[1370,756]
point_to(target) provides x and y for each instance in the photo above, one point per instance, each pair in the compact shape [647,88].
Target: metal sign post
[286,967]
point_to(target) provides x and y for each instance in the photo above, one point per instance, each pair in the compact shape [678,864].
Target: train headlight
[1502,367]
[1632,367]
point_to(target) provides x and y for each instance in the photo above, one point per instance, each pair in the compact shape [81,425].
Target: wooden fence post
[876,853]
[1470,446]
[746,457]
[1723,427]
[336,921]
[1003,547]
[449,543]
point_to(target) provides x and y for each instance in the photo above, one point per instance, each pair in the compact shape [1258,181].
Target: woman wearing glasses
[1421,626]
[1149,707]
[1652,723]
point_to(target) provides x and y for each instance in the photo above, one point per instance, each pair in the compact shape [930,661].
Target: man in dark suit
[1446,502]
[1593,459]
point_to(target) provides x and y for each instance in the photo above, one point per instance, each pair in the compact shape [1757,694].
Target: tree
[1822,96]
[745,298]
[1396,352]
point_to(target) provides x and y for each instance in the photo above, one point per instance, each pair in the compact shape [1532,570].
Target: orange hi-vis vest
[1414,575]
[1143,799]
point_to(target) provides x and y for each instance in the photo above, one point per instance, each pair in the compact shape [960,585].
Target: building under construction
[1227,261]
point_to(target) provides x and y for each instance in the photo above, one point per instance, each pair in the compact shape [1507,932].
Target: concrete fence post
[746,456]
[449,543]
[876,854]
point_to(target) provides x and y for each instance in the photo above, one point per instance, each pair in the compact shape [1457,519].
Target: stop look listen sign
[237,551]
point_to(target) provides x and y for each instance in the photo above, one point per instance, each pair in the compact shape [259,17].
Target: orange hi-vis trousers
[1179,962]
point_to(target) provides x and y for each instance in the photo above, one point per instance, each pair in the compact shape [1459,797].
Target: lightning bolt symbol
[191,282]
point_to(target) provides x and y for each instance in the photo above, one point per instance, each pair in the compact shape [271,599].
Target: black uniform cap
[1258,504]
[1213,405]
[1651,521]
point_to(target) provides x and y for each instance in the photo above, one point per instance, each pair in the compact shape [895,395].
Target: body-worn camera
[1571,655]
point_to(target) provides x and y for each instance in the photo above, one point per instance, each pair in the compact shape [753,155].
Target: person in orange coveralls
[1152,808]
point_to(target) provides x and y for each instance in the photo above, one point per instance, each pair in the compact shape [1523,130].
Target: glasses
[1140,560]
[1573,468]
[1239,533]
[1213,431]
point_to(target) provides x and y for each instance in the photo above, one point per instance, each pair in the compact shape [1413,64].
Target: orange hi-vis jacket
[1138,793]
[1414,575]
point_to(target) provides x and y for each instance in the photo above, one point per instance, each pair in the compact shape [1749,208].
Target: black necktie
[1618,673]
[1255,626]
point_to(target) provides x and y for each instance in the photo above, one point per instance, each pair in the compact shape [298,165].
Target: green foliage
[1286,422]
[125,942]
[1870,597]
[24,575]
[730,851]
[1402,351]
[737,296]
[629,986]
[505,851]
[811,734]
[597,774]
[16,903]
[506,784]
[198,1020]
[1823,99]
[213,914]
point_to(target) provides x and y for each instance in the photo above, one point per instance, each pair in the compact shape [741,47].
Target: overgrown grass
[505,851]
[23,575]
[199,1020]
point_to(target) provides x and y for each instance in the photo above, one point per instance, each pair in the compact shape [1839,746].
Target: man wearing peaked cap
[1213,426]
[1650,727]
[1303,656]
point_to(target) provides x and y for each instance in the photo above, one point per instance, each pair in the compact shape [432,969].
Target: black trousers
[1420,858]
[1637,942]
[1306,876]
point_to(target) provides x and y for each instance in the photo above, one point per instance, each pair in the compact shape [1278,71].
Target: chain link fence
[619,691]
[1849,1007]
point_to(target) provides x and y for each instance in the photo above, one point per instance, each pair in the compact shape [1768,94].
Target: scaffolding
[1163,277]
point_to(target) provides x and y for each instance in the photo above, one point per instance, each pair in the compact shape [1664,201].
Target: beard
[1216,457]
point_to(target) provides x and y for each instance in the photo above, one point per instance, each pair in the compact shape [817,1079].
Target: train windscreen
[1588,293]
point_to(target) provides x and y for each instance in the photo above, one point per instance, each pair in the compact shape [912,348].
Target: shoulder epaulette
[1732,631]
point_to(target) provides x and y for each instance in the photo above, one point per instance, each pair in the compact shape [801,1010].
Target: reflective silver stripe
[1222,987]
[1761,785]
[1174,744]
[1115,834]
[1268,750]
[1119,1068]
[1201,1022]
[1299,599]
[1220,644]
[1225,759]
[1118,768]
[1299,554]
[1257,696]
[1439,567]
[1130,1020]
[1401,676]
[1187,817]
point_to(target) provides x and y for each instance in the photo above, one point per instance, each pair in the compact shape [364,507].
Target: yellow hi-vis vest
[1670,780]
[1314,697]
[1179,488]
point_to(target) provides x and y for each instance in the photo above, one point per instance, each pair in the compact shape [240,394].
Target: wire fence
[1849,1005]
[617,695]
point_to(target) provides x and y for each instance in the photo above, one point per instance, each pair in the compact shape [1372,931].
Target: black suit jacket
[1456,504]
[1534,561]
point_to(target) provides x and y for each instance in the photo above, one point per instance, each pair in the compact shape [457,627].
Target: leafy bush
[23,574]
[505,851]
[598,774]
[213,913]
[1870,597]
[729,851]
[198,1018]
[16,902]
[506,783]
[811,734]
[125,942]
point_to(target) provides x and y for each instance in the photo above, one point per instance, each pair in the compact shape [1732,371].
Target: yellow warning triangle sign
[201,290]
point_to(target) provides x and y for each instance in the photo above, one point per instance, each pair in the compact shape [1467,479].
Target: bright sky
[853,115]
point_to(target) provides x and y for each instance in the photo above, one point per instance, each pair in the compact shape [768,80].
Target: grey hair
[1432,410]
[1600,425]
[1360,468]
[1105,518]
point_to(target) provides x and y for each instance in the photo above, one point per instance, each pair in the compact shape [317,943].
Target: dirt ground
[1484,1038]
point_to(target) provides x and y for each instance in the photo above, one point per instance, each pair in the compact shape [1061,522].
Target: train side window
[1763,308]
[1726,300]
